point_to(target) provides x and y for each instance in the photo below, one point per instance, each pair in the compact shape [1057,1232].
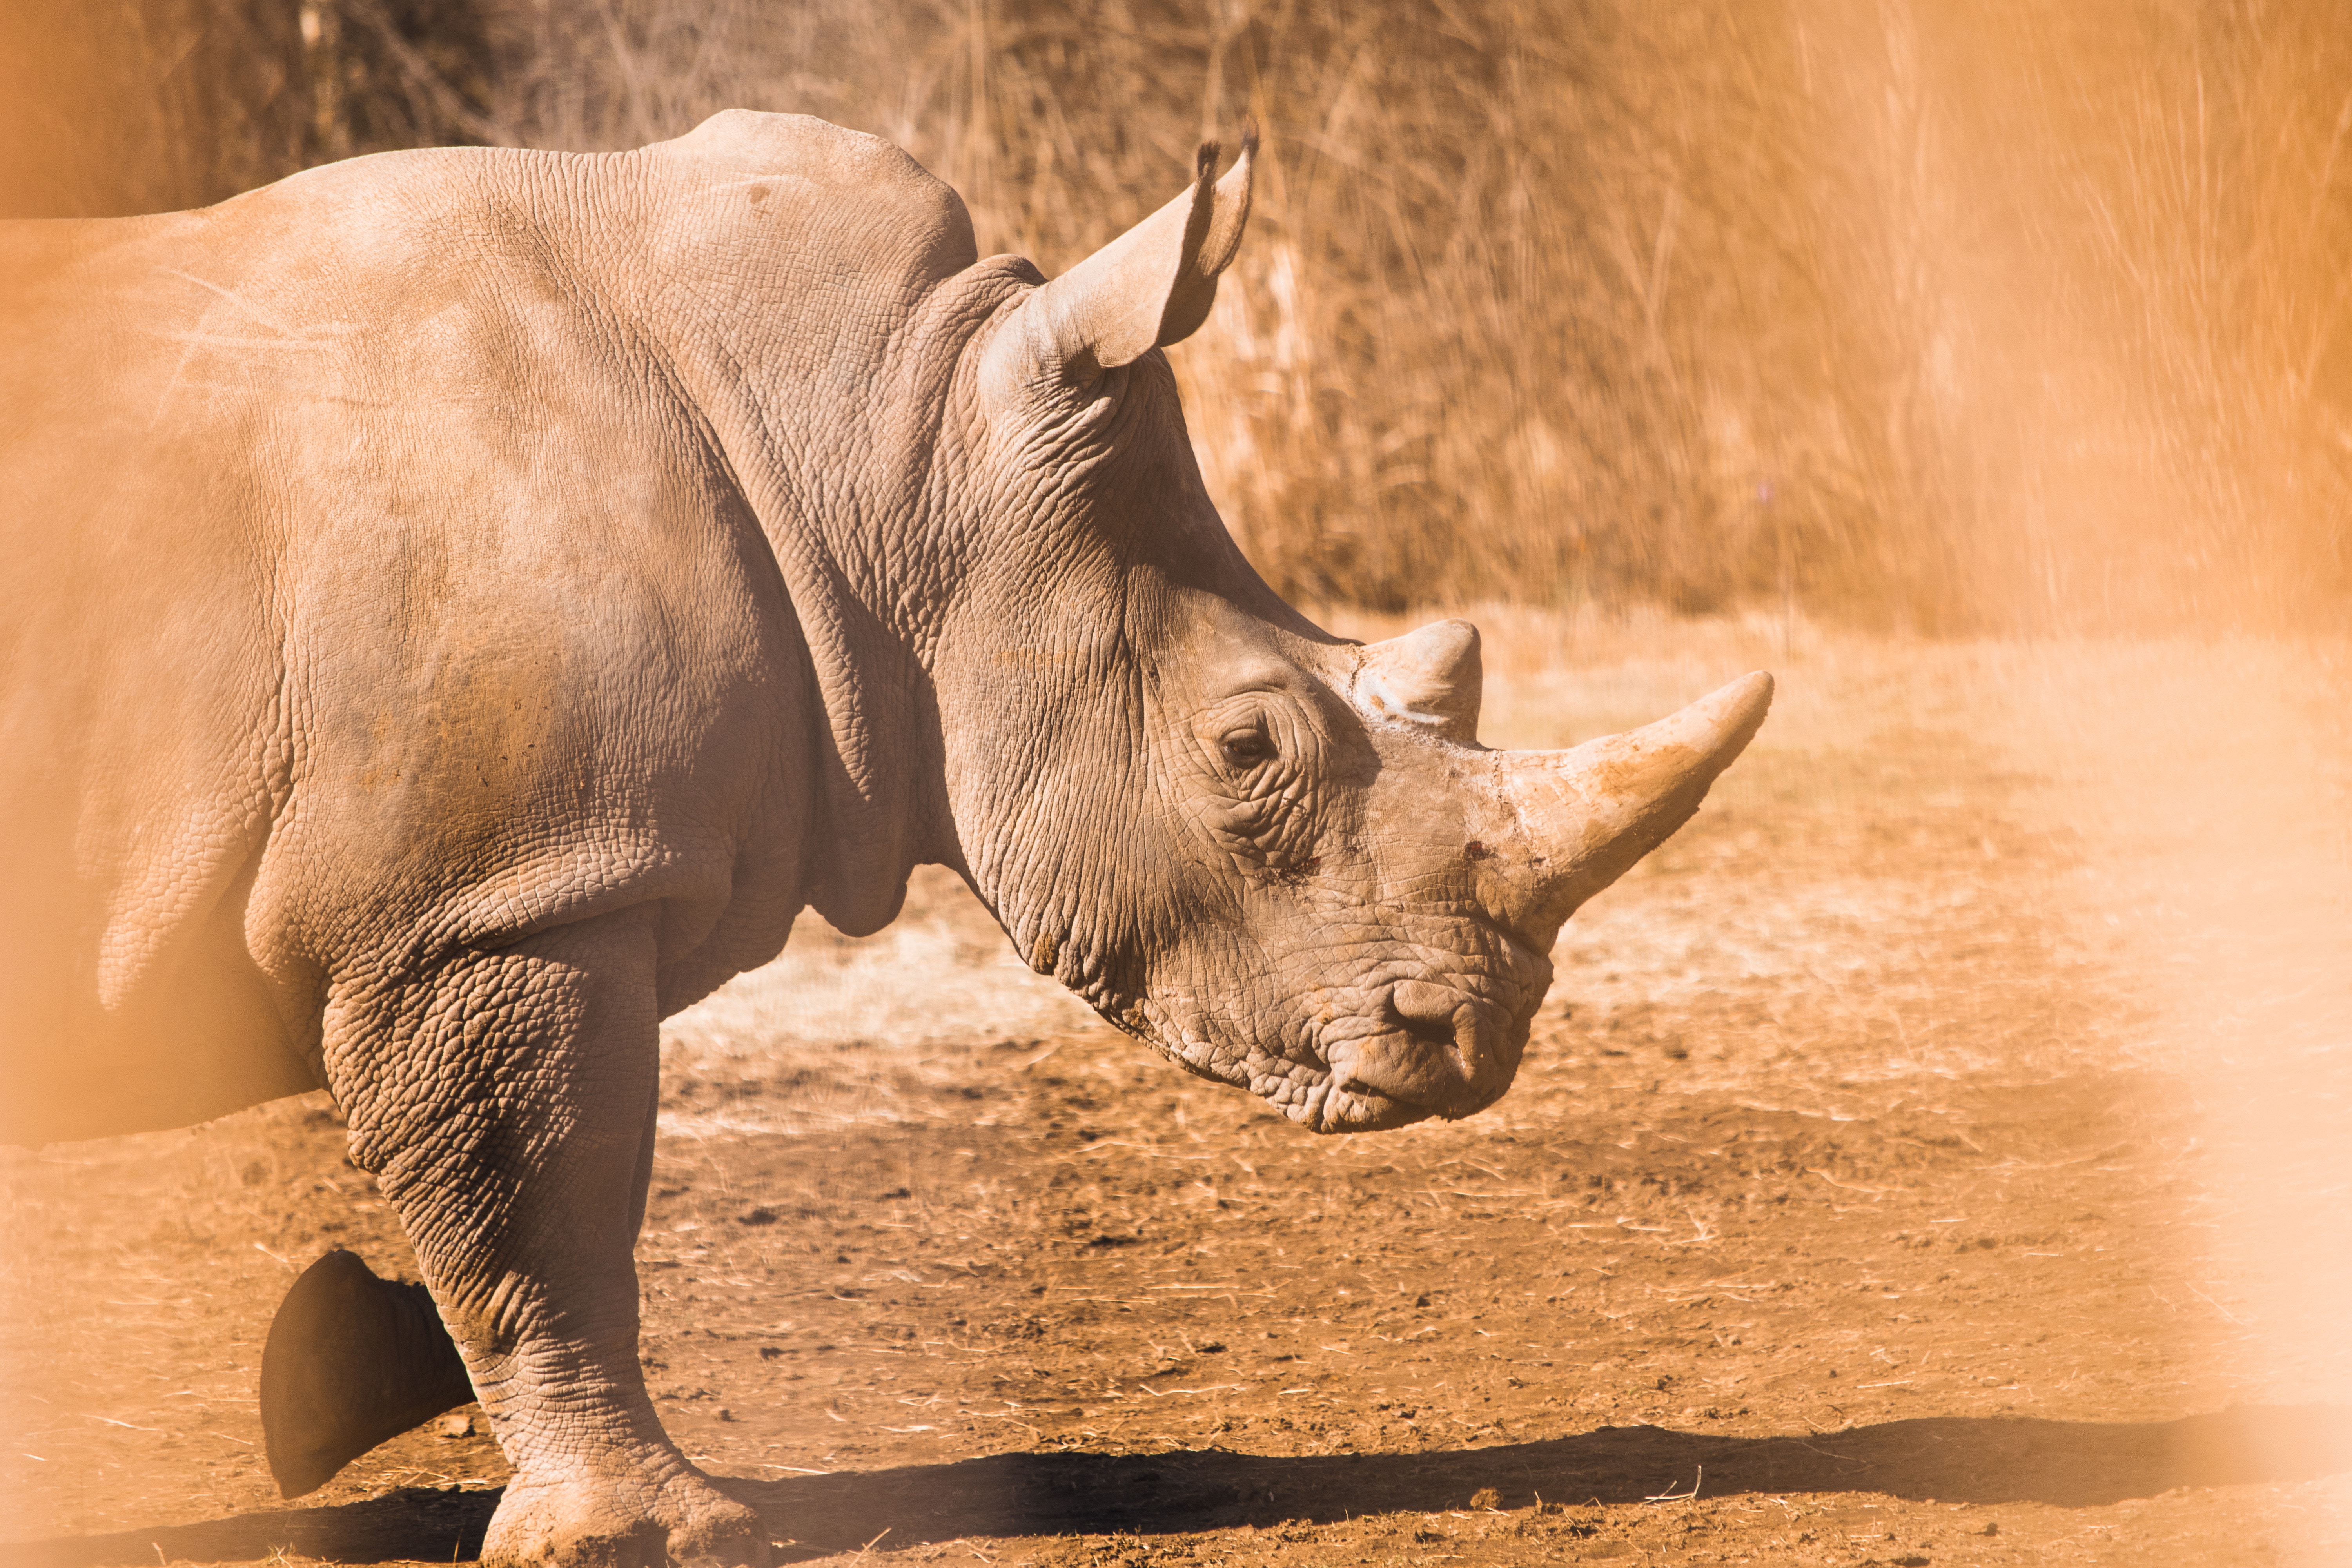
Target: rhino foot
[352,1361]
[681,1522]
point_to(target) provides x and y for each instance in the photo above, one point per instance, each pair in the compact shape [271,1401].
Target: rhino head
[1281,857]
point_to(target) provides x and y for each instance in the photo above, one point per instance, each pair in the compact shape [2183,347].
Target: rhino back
[375,590]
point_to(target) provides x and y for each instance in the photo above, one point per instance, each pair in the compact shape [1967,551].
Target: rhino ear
[1150,287]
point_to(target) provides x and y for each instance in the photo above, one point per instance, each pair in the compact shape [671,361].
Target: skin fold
[464,605]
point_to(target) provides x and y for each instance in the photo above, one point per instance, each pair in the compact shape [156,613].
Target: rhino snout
[1443,1053]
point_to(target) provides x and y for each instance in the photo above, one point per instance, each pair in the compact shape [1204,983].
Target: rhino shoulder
[755,141]
[824,164]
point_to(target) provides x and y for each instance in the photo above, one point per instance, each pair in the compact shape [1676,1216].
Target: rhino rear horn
[1431,676]
[1150,287]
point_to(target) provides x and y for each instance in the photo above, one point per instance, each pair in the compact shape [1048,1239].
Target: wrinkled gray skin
[461,605]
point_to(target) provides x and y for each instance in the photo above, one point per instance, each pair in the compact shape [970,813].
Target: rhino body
[463,605]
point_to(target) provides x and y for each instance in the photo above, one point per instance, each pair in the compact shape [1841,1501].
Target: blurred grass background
[1954,316]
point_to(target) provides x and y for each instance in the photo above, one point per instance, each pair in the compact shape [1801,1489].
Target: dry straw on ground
[1984,315]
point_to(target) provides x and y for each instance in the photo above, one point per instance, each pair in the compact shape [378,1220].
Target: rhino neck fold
[823,379]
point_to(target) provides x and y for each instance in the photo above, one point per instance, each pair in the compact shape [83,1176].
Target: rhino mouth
[1360,1053]
[1442,1054]
[1356,1107]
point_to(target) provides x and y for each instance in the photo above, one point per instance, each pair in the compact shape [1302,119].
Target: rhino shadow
[2070,1463]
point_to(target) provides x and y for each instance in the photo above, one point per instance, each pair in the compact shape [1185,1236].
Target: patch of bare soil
[1849,1209]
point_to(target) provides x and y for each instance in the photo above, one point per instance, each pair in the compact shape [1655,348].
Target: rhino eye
[1245,749]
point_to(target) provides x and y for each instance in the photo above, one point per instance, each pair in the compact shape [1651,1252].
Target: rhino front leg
[508,1109]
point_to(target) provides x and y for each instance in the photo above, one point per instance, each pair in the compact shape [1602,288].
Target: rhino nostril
[1425,1012]
[1437,1034]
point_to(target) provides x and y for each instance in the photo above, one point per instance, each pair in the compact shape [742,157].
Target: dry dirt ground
[1931,1156]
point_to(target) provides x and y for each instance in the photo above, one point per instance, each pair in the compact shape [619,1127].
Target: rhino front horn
[1577,820]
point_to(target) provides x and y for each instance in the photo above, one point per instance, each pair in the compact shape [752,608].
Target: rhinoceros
[462,604]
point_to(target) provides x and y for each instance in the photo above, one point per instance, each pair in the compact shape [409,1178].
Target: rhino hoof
[352,1361]
[620,1523]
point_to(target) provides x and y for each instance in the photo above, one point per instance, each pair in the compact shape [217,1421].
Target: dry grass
[1988,315]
